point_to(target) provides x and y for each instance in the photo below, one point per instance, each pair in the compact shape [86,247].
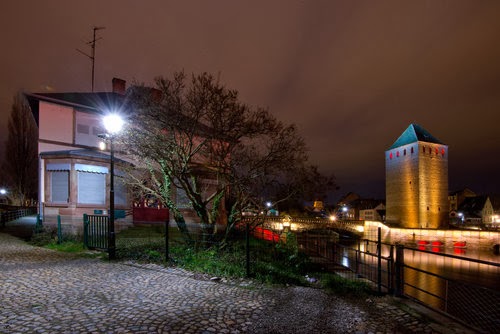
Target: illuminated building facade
[417,180]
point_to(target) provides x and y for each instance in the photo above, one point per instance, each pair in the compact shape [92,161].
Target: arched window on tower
[412,150]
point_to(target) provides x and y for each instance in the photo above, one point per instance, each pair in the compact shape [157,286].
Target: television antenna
[92,55]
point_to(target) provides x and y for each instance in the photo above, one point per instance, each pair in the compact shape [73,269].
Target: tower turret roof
[415,133]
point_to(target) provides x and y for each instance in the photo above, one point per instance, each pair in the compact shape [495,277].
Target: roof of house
[81,153]
[495,202]
[472,206]
[415,133]
[366,203]
[100,103]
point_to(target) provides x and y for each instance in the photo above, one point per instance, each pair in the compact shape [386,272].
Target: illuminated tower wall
[417,180]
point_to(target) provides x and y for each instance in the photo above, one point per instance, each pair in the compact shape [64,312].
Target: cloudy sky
[351,74]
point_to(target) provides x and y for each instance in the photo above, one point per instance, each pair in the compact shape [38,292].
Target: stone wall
[484,240]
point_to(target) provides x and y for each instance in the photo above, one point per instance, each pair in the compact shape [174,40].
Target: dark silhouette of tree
[20,164]
[195,142]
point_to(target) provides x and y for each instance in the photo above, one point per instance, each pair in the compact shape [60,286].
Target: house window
[59,186]
[91,184]
[82,128]
[59,182]
[91,188]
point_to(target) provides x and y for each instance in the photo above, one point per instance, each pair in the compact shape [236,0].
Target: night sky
[351,74]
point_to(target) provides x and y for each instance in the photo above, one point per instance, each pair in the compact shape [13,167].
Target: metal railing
[95,231]
[470,303]
[10,215]
[464,298]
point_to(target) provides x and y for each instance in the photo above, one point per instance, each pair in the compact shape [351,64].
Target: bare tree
[20,164]
[194,140]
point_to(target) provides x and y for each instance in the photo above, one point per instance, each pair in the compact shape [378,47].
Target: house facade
[74,174]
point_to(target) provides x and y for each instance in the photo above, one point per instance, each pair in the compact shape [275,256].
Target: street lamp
[3,191]
[113,124]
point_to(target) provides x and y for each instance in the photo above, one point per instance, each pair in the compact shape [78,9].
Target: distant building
[456,198]
[495,218]
[375,211]
[476,211]
[353,207]
[417,180]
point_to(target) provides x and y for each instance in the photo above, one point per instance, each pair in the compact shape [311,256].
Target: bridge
[298,224]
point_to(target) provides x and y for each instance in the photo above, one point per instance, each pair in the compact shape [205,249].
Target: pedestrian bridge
[297,224]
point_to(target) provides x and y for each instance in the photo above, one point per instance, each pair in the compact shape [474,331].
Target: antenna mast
[92,55]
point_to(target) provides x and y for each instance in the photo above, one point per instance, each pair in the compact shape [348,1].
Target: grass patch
[273,263]
[346,287]
[67,246]
[270,263]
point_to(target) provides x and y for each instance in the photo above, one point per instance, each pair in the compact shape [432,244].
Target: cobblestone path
[44,291]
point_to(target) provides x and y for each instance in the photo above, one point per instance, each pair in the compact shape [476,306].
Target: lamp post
[113,124]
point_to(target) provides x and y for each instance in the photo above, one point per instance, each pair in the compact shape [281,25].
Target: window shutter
[59,186]
[91,188]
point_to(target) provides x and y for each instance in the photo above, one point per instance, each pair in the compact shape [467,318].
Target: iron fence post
[166,241]
[399,271]
[59,232]
[85,230]
[247,244]
[379,260]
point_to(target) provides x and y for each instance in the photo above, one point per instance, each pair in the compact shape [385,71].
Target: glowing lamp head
[344,209]
[113,123]
[332,218]
[3,191]
[268,204]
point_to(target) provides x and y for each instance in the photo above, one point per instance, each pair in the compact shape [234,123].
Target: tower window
[397,154]
[442,152]
[412,150]
[437,151]
[423,149]
[390,156]
[404,151]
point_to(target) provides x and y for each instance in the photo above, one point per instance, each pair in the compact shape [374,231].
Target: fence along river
[465,286]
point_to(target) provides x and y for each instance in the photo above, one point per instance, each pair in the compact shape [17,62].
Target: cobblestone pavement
[44,291]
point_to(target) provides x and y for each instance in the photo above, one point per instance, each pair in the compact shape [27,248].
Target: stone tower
[416,168]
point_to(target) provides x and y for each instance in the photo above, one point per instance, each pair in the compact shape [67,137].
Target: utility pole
[92,55]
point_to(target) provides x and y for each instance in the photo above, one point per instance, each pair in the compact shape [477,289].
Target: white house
[74,173]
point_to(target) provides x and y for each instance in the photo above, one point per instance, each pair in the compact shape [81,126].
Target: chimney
[119,86]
